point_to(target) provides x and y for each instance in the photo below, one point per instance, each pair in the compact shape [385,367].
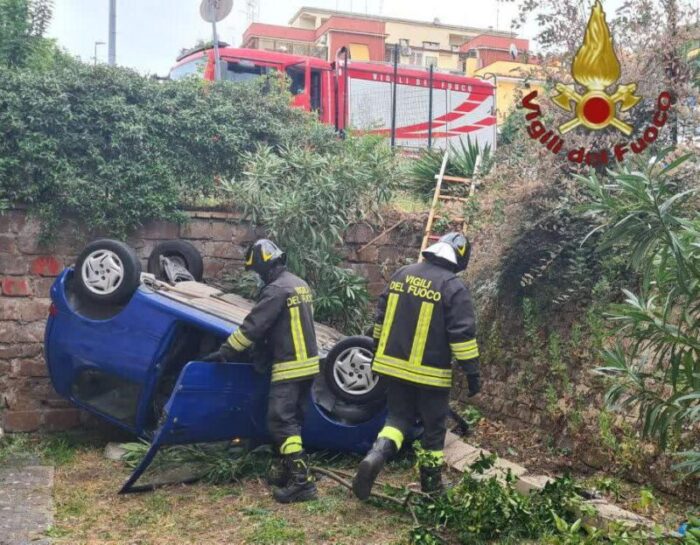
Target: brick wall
[27,270]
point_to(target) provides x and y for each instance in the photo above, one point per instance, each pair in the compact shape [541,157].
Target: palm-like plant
[462,162]
[651,215]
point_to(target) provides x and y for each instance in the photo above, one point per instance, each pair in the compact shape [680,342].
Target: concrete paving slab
[26,505]
[527,484]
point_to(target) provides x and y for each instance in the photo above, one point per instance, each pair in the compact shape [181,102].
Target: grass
[88,510]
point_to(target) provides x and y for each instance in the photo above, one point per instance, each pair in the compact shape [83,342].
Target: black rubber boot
[371,465]
[300,486]
[280,473]
[431,480]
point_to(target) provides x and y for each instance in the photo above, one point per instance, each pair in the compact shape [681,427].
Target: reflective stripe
[297,334]
[233,343]
[465,350]
[395,434]
[377,332]
[441,379]
[241,338]
[392,301]
[295,369]
[420,337]
[291,445]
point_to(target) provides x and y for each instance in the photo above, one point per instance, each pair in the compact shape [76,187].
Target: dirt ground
[534,449]
[89,511]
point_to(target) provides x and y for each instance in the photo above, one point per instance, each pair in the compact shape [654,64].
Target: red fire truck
[359,95]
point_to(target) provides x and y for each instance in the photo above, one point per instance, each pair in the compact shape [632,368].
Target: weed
[326,504]
[609,485]
[276,531]
[499,212]
[556,362]
[56,532]
[605,431]
[552,399]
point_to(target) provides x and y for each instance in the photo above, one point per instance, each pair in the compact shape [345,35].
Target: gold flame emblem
[596,68]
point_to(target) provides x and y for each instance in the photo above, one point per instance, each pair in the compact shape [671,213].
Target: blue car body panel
[209,402]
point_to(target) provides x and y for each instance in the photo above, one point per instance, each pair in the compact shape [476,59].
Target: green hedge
[115,149]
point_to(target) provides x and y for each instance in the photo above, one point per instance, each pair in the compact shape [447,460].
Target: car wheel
[107,271]
[179,251]
[348,372]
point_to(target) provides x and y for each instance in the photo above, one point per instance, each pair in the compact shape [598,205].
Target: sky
[150,33]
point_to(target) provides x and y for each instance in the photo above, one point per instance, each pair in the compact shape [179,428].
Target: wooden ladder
[428,236]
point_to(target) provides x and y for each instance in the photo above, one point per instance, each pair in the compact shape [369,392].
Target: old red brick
[61,419]
[12,221]
[21,420]
[13,264]
[16,287]
[224,250]
[164,230]
[14,350]
[360,233]
[213,268]
[41,286]
[7,244]
[10,308]
[35,367]
[31,310]
[14,332]
[46,265]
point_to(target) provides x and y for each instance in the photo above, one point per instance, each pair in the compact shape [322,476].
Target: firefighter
[424,318]
[283,320]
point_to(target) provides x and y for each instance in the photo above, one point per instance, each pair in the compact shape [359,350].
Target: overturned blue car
[126,346]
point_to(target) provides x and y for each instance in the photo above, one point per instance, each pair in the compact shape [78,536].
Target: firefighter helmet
[262,255]
[451,250]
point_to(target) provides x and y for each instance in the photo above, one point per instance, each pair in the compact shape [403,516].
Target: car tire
[107,271]
[348,372]
[180,251]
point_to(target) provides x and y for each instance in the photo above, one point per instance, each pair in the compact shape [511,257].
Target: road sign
[213,11]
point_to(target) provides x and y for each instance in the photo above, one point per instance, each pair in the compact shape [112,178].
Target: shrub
[114,149]
[650,214]
[305,196]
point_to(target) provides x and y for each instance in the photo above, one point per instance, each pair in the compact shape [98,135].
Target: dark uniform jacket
[425,317]
[283,317]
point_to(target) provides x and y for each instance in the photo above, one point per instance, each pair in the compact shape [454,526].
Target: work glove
[223,354]
[471,369]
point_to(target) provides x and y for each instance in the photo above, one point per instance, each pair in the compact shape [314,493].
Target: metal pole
[430,108]
[112,53]
[393,98]
[217,60]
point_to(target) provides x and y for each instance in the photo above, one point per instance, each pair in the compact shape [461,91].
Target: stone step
[460,455]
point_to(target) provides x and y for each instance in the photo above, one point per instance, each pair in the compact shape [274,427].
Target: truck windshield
[243,71]
[191,68]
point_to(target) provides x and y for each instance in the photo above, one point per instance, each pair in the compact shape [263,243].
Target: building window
[403,42]
[431,45]
[431,61]
[415,58]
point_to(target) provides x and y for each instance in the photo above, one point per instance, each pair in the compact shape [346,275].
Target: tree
[23,24]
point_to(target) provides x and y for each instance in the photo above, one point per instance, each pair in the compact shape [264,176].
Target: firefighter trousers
[408,402]
[285,414]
